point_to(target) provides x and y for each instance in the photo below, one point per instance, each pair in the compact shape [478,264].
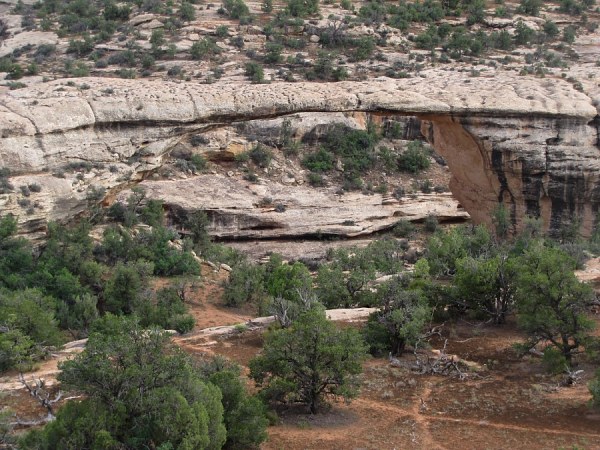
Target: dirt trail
[425,420]
[418,410]
[397,409]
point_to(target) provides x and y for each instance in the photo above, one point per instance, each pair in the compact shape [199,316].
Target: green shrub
[352,182]
[316,179]
[426,186]
[594,387]
[204,49]
[400,320]
[501,40]
[372,12]
[429,39]
[554,361]
[77,68]
[236,9]
[388,159]
[266,6]
[245,416]
[572,7]
[255,72]
[128,74]
[124,58]
[147,61]
[415,158]
[302,8]
[486,285]
[187,11]
[242,157]
[199,162]
[245,285]
[394,130]
[551,301]
[81,47]
[431,223]
[175,71]
[157,38]
[321,361]
[178,409]
[404,228]
[273,53]
[319,161]
[43,51]
[261,155]
[222,31]
[399,193]
[13,85]
[355,147]
[569,34]
[31,328]
[523,34]
[551,29]
[530,7]
[114,12]
[476,11]
[364,48]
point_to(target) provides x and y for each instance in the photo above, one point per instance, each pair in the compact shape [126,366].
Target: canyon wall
[529,143]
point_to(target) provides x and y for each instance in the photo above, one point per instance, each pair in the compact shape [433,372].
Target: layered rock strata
[238,209]
[531,144]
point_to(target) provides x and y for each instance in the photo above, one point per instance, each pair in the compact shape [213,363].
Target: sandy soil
[511,404]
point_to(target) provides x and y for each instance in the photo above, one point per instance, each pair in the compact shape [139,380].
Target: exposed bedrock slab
[529,143]
[237,208]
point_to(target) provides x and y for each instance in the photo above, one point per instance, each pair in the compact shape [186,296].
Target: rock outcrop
[529,143]
[239,209]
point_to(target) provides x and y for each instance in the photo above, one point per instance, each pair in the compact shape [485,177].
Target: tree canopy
[309,362]
[141,391]
[551,301]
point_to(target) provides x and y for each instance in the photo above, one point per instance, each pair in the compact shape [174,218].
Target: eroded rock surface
[531,145]
[243,210]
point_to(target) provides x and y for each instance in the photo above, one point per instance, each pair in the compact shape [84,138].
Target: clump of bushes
[235,9]
[255,72]
[431,223]
[415,158]
[319,161]
[403,228]
[261,155]
[5,185]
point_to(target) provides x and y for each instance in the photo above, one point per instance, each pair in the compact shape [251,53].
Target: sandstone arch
[533,146]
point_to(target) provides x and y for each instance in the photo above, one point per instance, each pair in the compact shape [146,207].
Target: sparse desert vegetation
[230,225]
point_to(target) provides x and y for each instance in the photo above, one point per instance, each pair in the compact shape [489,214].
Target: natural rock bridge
[532,145]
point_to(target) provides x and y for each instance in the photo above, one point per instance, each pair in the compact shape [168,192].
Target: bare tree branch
[37,389]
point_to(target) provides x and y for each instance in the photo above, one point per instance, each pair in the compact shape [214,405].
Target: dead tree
[37,389]
[281,309]
[439,364]
[286,311]
[571,377]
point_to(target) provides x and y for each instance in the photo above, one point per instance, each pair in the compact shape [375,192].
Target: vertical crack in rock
[497,159]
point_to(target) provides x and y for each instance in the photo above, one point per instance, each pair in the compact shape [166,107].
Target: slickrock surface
[532,145]
[237,209]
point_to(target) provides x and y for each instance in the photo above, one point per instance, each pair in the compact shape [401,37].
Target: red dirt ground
[513,404]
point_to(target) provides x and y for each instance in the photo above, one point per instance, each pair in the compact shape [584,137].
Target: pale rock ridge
[531,143]
[236,208]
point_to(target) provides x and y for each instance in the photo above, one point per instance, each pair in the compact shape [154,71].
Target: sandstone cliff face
[530,145]
[536,166]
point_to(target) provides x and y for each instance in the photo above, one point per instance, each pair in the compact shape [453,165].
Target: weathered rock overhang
[532,146]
